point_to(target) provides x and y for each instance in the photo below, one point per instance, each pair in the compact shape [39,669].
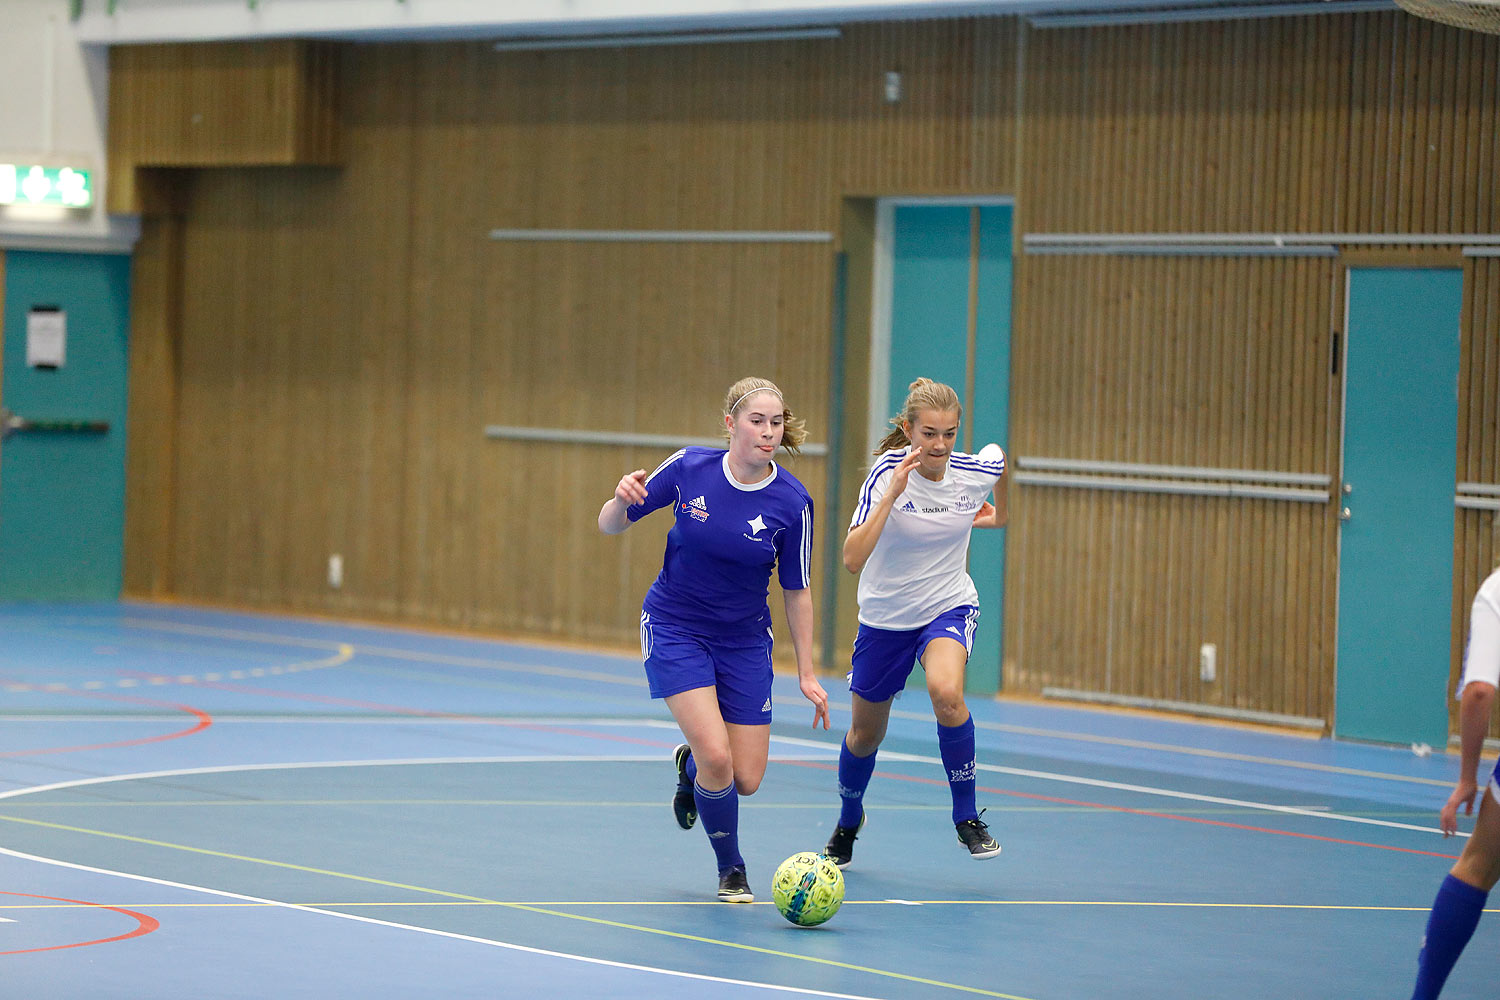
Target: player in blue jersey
[1463,894]
[909,542]
[706,624]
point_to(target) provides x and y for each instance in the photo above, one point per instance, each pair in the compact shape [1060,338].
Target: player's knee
[715,767]
[1479,864]
[948,705]
[862,742]
[747,784]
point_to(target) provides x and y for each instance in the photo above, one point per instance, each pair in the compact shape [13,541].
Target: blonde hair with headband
[794,429]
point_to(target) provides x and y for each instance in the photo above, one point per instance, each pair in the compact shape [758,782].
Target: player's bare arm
[630,491]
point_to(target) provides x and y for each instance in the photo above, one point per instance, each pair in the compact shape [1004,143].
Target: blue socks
[719,812]
[956,745]
[1455,914]
[854,778]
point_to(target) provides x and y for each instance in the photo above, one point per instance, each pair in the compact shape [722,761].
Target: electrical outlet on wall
[1208,662]
[335,570]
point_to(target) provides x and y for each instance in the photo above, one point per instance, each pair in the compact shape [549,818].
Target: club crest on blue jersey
[697,507]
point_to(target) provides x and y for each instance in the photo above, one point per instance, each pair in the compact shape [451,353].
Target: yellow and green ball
[808,889]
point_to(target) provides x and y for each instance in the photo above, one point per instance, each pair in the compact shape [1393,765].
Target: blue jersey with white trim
[726,539]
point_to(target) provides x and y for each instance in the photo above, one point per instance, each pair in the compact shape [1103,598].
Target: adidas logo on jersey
[909,507]
[698,502]
[697,507]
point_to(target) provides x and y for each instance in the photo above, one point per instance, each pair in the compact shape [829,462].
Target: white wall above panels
[139,21]
[202,20]
[54,112]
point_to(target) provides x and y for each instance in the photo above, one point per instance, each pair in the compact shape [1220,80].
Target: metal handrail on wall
[1183,480]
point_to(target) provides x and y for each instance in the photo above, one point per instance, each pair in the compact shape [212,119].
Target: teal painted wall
[62,496]
[1396,549]
[931,248]
[990,421]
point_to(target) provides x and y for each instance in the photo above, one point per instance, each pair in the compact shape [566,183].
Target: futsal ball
[808,889]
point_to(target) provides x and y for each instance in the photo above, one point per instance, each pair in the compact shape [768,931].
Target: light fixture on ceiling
[668,38]
[1231,12]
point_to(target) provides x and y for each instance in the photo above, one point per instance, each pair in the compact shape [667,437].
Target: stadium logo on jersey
[909,507]
[696,507]
[965,504]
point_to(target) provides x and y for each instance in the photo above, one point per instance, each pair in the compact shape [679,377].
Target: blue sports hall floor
[204,804]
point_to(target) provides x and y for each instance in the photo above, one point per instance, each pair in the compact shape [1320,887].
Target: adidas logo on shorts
[767,706]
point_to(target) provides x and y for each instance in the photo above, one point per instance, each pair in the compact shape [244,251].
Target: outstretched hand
[1464,796]
[632,488]
[984,517]
[813,692]
[901,473]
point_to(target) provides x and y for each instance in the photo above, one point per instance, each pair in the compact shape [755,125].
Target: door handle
[11,423]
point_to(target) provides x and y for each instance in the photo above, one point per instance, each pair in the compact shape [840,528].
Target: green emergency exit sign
[64,187]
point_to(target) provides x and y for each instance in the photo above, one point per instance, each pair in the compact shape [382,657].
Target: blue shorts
[739,666]
[883,658]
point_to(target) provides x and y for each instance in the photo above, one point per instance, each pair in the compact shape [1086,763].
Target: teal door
[1396,539]
[62,496]
[950,321]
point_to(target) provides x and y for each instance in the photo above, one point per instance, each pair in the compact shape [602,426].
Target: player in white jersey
[1463,894]
[909,541]
[705,624]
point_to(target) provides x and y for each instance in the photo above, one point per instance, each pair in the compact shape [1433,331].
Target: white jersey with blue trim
[919,566]
[727,538]
[1482,654]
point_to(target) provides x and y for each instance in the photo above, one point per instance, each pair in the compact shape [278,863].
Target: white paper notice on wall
[46,337]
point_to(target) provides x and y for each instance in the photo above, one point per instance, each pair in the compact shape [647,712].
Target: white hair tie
[765,388]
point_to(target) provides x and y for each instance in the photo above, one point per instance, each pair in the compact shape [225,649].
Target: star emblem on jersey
[757,525]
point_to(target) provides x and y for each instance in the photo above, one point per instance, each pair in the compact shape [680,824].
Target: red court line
[144,924]
[204,721]
[1144,812]
[423,713]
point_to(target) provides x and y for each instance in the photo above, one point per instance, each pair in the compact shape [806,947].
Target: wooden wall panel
[346,334]
[154,385]
[1476,544]
[1354,123]
[224,104]
[1218,362]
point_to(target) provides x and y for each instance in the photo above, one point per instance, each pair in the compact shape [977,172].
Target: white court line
[1133,744]
[456,719]
[1146,790]
[428,930]
[635,681]
[1319,813]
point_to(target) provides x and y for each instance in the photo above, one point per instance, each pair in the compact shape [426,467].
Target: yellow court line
[1122,741]
[714,903]
[652,804]
[417,656]
[344,655]
[420,657]
[387,652]
[517,906]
